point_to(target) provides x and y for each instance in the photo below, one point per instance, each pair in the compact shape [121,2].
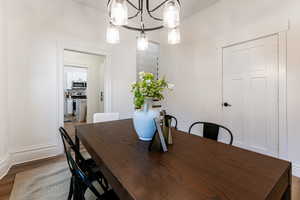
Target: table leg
[287,194]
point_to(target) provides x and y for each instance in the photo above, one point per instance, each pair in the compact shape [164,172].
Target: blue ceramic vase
[143,121]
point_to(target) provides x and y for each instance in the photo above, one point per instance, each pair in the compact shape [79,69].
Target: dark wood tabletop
[194,168]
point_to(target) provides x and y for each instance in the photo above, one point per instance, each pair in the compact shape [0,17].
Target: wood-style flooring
[7,182]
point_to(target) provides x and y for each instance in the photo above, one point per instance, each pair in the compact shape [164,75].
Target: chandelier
[118,17]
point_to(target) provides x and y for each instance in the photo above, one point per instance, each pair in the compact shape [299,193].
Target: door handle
[226,104]
[101,96]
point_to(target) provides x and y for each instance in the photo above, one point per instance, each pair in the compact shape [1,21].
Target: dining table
[194,168]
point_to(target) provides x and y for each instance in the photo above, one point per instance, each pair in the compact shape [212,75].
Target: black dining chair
[87,165]
[173,119]
[82,182]
[211,130]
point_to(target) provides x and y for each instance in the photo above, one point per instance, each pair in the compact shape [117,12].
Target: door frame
[281,83]
[88,49]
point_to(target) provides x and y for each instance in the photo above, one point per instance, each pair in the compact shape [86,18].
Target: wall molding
[28,154]
[32,153]
[4,166]
[99,49]
[282,97]
[262,29]
[296,169]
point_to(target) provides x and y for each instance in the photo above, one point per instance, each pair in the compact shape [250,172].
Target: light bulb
[142,42]
[112,34]
[118,12]
[174,36]
[171,14]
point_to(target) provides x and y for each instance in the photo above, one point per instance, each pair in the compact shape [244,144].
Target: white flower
[141,75]
[148,82]
[171,86]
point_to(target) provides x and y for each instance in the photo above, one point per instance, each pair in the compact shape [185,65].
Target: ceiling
[189,7]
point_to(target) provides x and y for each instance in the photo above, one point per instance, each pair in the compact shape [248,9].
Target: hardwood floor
[70,127]
[296,189]
[7,182]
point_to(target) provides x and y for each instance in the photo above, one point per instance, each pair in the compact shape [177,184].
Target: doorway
[83,81]
[251,94]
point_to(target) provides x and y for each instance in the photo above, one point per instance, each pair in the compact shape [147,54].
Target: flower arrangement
[148,87]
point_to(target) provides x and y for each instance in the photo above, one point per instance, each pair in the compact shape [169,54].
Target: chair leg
[71,188]
[95,191]
[79,193]
[104,185]
[77,188]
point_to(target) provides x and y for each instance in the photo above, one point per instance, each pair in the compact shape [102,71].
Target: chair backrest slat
[67,141]
[75,168]
[212,130]
[172,118]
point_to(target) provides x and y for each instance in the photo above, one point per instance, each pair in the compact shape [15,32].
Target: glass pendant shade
[174,36]
[112,34]
[142,42]
[171,14]
[118,12]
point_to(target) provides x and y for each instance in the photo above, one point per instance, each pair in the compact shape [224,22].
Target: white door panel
[250,85]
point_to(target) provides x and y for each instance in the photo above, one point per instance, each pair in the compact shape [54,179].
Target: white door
[95,88]
[250,89]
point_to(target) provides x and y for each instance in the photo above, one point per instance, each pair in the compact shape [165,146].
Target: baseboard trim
[26,155]
[34,153]
[47,151]
[4,166]
[296,170]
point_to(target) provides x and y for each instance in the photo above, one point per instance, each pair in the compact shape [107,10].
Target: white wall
[124,74]
[195,68]
[3,89]
[36,28]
